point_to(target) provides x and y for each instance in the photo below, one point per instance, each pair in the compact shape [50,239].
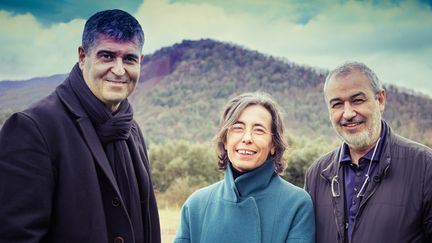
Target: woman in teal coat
[252,203]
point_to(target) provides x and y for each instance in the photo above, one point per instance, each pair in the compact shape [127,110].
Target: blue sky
[393,37]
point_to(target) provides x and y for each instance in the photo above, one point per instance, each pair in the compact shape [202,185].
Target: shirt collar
[346,157]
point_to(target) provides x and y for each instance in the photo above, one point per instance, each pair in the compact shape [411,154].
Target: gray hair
[232,112]
[349,67]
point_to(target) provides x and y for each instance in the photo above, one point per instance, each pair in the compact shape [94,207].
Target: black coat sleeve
[27,181]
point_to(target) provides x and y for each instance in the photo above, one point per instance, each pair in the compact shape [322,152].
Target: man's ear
[141,58]
[81,56]
[382,100]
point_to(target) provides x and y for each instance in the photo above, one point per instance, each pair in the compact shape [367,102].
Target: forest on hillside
[184,87]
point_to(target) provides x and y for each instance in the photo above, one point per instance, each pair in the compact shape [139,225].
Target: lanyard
[335,185]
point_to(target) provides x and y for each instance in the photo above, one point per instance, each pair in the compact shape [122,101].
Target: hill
[17,95]
[184,87]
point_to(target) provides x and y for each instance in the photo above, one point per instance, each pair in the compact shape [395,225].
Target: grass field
[169,220]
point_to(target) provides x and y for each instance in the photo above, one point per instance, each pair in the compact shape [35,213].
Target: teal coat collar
[248,184]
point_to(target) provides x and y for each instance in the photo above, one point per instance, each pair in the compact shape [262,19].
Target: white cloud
[165,24]
[394,40]
[30,49]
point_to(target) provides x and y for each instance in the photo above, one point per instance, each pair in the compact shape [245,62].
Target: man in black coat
[377,187]
[74,166]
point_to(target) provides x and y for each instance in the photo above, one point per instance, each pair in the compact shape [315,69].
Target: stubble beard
[364,139]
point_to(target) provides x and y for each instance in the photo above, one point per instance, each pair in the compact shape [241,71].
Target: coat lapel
[96,149]
[334,177]
[88,132]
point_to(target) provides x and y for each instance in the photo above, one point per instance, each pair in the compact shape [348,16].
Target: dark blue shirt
[355,176]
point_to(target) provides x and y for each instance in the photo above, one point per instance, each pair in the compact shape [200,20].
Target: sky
[393,37]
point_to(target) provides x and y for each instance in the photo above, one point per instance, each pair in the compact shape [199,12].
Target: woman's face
[249,139]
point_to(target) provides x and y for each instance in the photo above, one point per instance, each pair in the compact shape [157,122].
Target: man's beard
[363,139]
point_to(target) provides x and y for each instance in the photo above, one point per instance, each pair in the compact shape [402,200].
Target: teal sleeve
[183,232]
[303,229]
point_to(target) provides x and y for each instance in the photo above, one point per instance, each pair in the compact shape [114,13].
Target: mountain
[17,95]
[184,87]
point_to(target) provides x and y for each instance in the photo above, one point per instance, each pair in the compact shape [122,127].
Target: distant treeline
[184,87]
[180,167]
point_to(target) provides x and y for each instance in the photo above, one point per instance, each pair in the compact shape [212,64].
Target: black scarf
[114,132]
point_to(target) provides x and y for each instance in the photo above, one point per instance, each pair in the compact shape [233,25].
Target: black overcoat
[56,184]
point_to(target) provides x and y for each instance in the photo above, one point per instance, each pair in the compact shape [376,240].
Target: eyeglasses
[256,131]
[335,187]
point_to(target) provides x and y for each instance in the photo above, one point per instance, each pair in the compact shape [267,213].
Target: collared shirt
[355,176]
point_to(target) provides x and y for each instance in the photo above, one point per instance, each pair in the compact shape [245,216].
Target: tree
[302,153]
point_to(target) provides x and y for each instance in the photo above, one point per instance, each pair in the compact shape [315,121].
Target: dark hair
[232,112]
[116,24]
[349,67]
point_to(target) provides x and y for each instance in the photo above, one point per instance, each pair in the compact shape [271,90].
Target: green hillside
[184,87]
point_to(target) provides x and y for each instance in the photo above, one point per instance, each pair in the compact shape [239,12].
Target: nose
[348,112]
[247,137]
[118,68]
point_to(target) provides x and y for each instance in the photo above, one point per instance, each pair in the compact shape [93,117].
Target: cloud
[31,49]
[361,27]
[49,12]
[384,36]
[392,37]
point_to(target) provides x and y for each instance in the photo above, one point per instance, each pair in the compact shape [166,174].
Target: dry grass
[169,220]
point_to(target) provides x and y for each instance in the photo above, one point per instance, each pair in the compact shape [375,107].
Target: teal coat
[258,206]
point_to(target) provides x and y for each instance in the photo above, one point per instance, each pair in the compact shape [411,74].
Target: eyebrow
[357,95]
[105,52]
[253,125]
[130,55]
[360,93]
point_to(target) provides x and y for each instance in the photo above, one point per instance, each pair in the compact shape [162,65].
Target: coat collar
[249,183]
[334,168]
[88,132]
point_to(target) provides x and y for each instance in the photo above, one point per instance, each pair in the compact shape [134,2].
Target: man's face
[355,111]
[111,69]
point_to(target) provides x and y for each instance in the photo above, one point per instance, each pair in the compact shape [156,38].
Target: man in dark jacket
[74,166]
[377,187]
